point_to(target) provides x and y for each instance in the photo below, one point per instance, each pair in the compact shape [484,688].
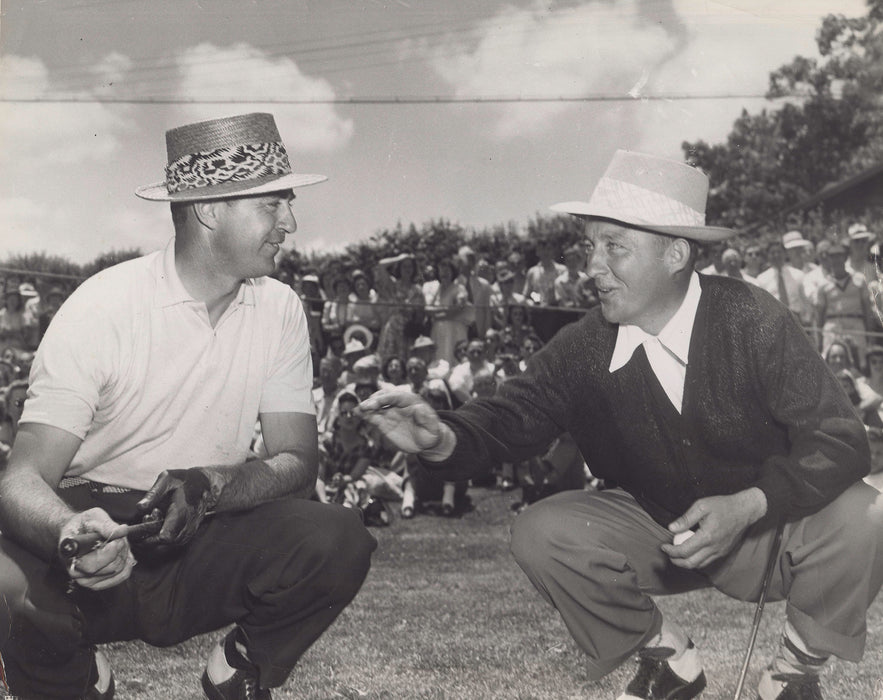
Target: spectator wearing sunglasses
[754,261]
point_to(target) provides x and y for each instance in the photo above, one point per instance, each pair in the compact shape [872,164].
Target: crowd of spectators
[25,314]
[457,327]
[449,330]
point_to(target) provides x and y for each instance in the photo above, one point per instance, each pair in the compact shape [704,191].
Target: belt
[827,316]
[70,482]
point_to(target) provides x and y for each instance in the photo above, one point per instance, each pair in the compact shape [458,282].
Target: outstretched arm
[410,424]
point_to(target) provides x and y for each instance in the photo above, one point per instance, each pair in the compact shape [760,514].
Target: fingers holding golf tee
[183,496]
[410,424]
[103,565]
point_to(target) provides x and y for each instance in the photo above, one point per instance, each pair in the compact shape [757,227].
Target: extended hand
[719,522]
[107,565]
[408,422]
[184,496]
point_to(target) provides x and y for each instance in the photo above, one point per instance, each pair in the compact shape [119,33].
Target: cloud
[717,60]
[111,72]
[20,216]
[594,48]
[244,73]
[41,133]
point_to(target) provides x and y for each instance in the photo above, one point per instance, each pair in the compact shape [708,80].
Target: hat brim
[395,259]
[706,234]
[358,328]
[157,192]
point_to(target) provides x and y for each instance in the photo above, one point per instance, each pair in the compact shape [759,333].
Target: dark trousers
[282,571]
[596,557]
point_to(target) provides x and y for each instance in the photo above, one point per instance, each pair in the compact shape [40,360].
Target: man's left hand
[184,496]
[719,523]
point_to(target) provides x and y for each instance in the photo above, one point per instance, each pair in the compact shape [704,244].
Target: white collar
[674,337]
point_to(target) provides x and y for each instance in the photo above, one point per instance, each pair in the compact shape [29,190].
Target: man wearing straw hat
[143,399]
[702,401]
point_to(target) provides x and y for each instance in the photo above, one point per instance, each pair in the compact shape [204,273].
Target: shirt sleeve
[289,384]
[75,363]
[522,418]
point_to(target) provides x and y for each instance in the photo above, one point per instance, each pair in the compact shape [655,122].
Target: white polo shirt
[132,366]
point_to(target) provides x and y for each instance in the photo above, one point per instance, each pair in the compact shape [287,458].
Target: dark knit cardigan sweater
[760,409]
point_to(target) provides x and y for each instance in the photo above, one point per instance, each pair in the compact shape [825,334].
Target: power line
[403,99]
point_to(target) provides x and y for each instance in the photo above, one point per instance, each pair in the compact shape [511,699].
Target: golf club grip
[72,546]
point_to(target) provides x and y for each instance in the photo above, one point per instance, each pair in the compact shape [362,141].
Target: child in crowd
[347,473]
[420,486]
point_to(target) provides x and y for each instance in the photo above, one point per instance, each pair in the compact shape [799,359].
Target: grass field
[446,614]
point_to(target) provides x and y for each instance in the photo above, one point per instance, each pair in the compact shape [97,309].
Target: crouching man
[702,400]
[143,399]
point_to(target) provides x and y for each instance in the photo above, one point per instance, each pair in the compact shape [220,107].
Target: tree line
[828,126]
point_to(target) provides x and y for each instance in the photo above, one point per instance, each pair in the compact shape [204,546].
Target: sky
[89,87]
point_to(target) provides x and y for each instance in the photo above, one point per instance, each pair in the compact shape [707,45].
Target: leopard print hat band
[234,156]
[234,164]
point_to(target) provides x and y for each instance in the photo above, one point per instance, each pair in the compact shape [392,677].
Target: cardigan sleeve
[527,413]
[828,443]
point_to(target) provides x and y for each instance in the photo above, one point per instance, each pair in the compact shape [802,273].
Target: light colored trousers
[596,557]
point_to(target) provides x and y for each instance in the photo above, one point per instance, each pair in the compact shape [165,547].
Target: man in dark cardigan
[702,400]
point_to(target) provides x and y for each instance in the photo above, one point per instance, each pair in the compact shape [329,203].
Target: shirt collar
[675,335]
[170,290]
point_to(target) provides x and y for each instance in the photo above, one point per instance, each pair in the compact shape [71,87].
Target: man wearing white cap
[785,283]
[798,250]
[143,398]
[703,401]
[860,239]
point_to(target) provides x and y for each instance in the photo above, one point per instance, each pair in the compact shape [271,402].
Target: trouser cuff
[849,648]
[598,668]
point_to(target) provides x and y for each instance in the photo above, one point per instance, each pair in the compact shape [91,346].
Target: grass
[447,614]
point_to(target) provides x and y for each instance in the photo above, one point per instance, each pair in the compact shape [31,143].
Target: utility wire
[402,100]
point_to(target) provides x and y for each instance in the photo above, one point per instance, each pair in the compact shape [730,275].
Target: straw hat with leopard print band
[229,157]
[650,193]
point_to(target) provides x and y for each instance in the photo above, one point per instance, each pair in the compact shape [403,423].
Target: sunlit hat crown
[652,193]
[229,157]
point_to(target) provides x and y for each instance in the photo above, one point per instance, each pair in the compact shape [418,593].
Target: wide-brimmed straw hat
[859,232]
[229,157]
[794,239]
[361,334]
[423,341]
[651,193]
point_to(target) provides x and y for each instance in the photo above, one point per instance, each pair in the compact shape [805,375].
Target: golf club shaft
[758,612]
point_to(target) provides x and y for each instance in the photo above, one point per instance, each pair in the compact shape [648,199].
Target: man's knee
[536,532]
[858,514]
[345,538]
[337,553]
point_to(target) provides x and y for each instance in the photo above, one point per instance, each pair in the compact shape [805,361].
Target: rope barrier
[39,273]
[442,307]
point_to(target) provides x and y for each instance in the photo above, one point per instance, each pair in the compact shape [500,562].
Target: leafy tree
[829,127]
[108,259]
